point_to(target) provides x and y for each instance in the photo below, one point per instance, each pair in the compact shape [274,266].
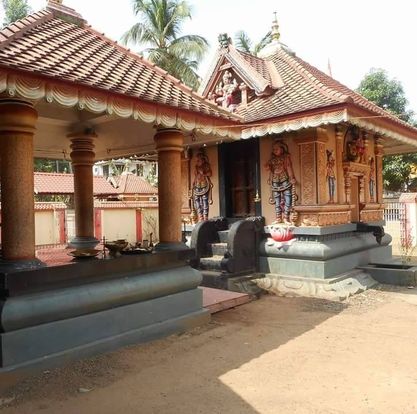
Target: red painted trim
[97,224]
[139,234]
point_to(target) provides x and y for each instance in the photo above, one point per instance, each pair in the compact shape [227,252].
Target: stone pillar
[17,127]
[82,158]
[169,146]
[379,153]
[340,179]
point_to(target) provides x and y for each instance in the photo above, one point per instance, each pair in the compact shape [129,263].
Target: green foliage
[14,10]
[386,93]
[158,29]
[48,165]
[398,170]
[244,43]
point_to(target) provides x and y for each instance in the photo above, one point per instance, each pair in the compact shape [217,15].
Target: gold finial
[275,35]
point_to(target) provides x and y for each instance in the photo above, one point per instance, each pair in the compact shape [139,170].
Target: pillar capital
[82,148]
[169,139]
[17,116]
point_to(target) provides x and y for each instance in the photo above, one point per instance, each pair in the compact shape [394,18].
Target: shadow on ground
[187,368]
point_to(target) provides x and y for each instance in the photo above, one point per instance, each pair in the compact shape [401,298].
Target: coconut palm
[158,30]
[244,43]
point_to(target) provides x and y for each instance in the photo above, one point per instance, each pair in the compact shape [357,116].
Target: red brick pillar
[169,146]
[17,127]
[82,157]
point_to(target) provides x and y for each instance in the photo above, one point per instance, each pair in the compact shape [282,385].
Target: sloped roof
[305,88]
[132,184]
[57,43]
[295,87]
[58,183]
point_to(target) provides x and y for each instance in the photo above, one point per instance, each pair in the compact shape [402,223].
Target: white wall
[119,224]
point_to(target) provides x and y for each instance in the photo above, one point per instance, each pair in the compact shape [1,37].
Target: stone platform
[322,262]
[54,314]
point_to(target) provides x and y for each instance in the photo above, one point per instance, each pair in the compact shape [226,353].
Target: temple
[278,166]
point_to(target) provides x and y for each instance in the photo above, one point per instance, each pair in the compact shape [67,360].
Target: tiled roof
[304,88]
[132,184]
[57,43]
[57,183]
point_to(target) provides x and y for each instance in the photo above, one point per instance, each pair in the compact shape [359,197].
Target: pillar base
[82,242]
[10,266]
[164,246]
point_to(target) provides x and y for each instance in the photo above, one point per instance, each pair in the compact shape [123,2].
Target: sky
[354,35]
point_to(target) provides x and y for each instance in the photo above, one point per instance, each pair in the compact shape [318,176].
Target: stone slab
[50,344]
[323,269]
[320,231]
[216,300]
[392,273]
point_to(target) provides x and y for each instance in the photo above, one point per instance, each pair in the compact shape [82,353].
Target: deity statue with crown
[226,91]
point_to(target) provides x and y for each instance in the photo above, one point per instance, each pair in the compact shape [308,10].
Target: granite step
[223,236]
[214,279]
[211,263]
[217,249]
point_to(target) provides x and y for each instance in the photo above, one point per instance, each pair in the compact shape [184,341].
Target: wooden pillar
[82,158]
[379,153]
[340,183]
[169,146]
[17,127]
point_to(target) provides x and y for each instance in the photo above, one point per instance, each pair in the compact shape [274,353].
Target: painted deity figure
[330,175]
[360,149]
[225,91]
[372,179]
[202,186]
[282,180]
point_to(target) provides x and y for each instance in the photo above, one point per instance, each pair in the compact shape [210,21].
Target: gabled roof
[59,183]
[296,90]
[57,43]
[251,69]
[131,184]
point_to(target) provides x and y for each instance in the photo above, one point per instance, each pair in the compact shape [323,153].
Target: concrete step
[217,249]
[216,300]
[211,263]
[223,236]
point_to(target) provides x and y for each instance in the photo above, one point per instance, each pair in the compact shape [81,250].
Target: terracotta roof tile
[57,183]
[132,184]
[43,43]
[304,88]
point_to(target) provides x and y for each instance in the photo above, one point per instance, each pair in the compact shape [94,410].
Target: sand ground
[272,356]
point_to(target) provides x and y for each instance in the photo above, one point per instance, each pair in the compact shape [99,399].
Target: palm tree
[244,43]
[158,28]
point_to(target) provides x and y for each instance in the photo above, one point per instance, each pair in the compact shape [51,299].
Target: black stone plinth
[50,315]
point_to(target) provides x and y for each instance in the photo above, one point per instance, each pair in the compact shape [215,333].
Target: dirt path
[276,355]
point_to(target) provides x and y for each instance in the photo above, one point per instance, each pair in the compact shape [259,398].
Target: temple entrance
[239,179]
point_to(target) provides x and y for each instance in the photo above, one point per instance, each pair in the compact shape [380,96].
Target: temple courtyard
[273,355]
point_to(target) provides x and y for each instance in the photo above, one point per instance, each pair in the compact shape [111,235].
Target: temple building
[279,166]
[308,163]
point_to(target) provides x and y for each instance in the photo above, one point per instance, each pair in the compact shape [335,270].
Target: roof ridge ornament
[275,34]
[64,12]
[224,40]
